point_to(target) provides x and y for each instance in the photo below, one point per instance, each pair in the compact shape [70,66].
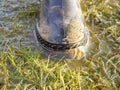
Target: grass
[23,68]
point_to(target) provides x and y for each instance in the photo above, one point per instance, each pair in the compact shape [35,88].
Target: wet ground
[14,29]
[17,30]
[17,24]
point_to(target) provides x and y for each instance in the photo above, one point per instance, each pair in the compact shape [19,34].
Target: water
[19,30]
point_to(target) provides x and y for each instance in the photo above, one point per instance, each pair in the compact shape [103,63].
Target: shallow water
[9,10]
[21,30]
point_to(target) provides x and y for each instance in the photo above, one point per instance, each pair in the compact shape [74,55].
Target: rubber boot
[60,29]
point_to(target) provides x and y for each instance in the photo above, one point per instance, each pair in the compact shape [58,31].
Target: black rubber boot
[60,29]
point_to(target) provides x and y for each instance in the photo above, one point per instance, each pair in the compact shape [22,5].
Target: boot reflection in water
[60,29]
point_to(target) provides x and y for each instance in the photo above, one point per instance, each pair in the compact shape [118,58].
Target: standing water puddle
[16,30]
